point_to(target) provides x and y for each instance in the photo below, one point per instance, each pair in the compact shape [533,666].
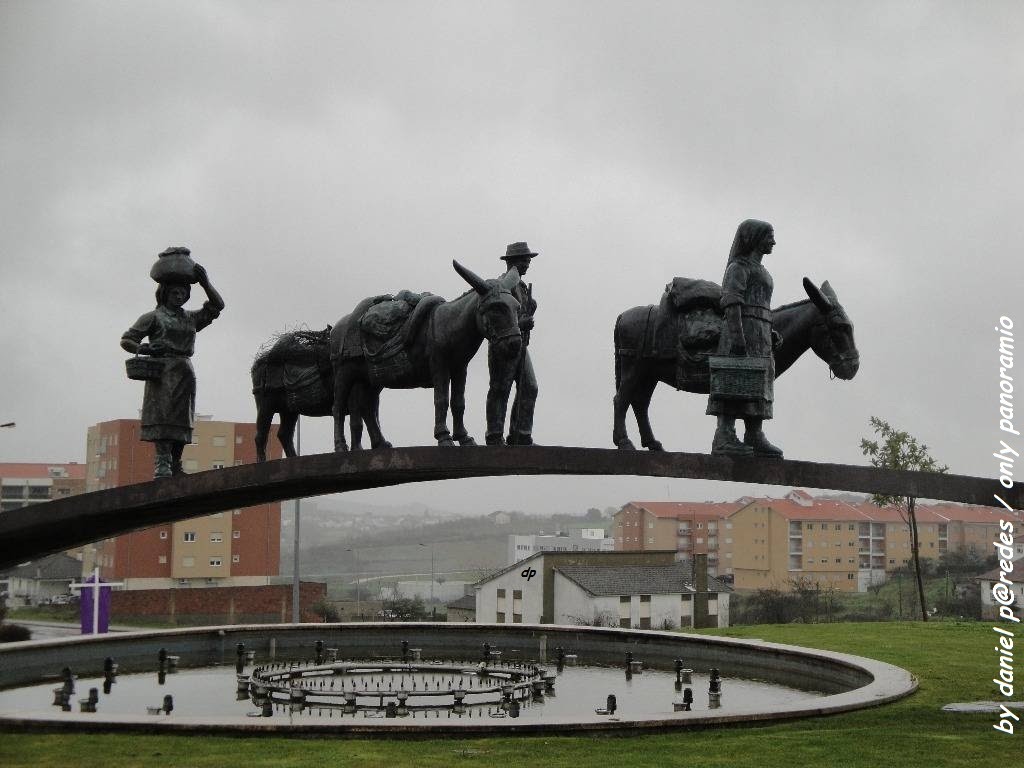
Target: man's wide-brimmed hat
[518,251]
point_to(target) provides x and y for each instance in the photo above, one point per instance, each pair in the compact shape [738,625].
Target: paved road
[46,630]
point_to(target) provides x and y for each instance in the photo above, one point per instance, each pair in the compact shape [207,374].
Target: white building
[635,596]
[1012,595]
[631,589]
[38,581]
[521,547]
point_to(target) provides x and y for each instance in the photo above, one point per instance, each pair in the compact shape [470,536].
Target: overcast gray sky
[312,154]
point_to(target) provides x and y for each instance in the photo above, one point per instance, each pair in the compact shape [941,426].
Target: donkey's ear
[476,282]
[830,294]
[817,297]
[510,279]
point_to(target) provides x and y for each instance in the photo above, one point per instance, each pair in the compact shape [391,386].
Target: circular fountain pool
[373,678]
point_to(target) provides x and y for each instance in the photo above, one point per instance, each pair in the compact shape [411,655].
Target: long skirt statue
[168,403]
[747,333]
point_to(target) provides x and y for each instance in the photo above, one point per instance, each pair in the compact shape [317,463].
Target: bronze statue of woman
[747,332]
[168,405]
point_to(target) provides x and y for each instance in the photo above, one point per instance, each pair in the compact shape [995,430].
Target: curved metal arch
[31,532]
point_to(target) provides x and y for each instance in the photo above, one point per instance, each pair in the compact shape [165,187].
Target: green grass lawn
[953,661]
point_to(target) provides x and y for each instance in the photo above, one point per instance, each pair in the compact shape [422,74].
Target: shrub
[13,633]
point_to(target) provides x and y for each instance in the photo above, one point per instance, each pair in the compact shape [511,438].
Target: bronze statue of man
[747,333]
[168,404]
[519,256]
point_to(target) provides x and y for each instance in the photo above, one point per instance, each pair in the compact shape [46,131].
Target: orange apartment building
[689,528]
[764,543]
[24,484]
[236,548]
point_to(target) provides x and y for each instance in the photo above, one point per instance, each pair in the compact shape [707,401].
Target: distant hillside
[403,544]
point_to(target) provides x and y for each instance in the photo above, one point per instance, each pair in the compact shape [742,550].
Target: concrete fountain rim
[887,683]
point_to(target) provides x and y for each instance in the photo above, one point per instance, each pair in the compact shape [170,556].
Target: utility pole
[295,556]
[433,610]
[355,552]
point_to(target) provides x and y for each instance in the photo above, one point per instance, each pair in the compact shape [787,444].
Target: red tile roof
[40,471]
[820,509]
[688,509]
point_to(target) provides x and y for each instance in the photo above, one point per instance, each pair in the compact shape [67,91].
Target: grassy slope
[953,661]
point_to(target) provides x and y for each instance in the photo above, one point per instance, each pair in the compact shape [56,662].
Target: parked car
[60,600]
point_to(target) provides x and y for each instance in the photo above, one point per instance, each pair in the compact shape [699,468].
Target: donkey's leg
[286,431]
[441,377]
[622,401]
[357,405]
[371,408]
[342,388]
[264,415]
[458,406]
[641,403]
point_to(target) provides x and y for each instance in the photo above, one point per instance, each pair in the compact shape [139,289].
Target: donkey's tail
[615,352]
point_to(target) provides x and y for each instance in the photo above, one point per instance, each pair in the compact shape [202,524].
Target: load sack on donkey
[685,327]
[381,329]
[299,363]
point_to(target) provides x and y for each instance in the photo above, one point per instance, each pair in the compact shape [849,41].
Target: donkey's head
[832,333]
[498,311]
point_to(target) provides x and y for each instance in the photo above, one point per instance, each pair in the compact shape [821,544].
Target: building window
[501,617]
[235,558]
[191,465]
[188,536]
[237,512]
[839,526]
[219,441]
[849,577]
[216,537]
[501,593]
[188,562]
[162,559]
[218,465]
[650,539]
[215,562]
[163,535]
[236,534]
[517,618]
[238,439]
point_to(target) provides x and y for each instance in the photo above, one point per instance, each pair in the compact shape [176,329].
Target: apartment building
[522,546]
[689,528]
[240,547]
[771,543]
[22,485]
[848,546]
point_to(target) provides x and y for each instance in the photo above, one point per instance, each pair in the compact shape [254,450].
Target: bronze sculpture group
[721,340]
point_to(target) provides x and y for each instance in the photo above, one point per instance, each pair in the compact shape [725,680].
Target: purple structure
[95,618]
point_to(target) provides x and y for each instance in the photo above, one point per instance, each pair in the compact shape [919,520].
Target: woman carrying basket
[168,405]
[747,333]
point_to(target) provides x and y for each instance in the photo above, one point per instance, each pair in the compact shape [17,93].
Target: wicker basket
[740,378]
[144,368]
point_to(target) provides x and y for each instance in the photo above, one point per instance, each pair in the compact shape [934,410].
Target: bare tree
[896,449]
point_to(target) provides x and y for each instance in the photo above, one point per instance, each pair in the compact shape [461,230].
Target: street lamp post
[295,556]
[432,609]
[356,553]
